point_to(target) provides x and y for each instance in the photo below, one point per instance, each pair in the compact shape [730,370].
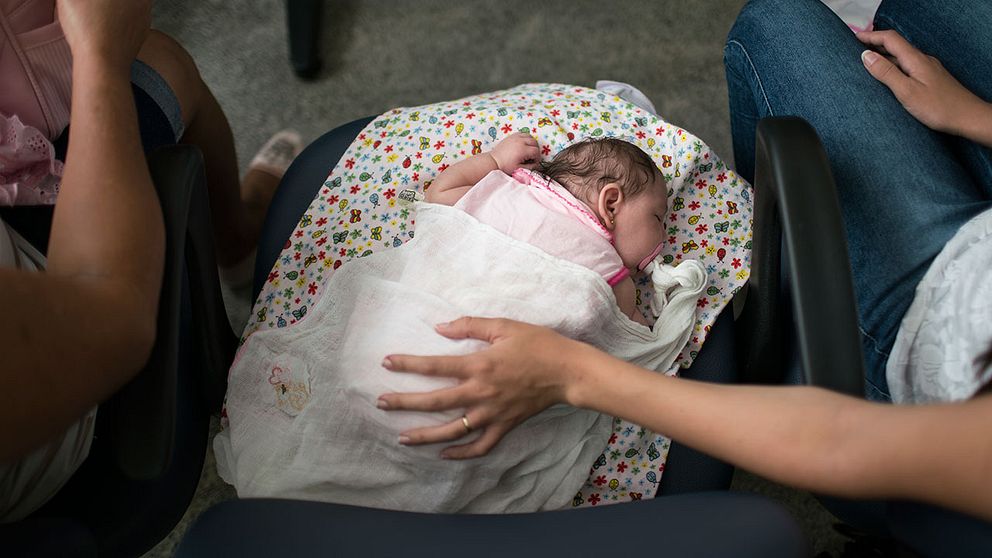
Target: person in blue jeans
[912,166]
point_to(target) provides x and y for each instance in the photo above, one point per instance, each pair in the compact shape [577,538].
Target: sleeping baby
[495,238]
[598,203]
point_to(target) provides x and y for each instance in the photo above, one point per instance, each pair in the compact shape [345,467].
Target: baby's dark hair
[586,166]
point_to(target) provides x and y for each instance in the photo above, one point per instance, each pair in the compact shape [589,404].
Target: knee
[752,26]
[757,20]
[171,61]
[771,22]
[783,31]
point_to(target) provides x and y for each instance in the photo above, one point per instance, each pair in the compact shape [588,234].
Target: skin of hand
[515,151]
[499,390]
[806,437]
[925,88]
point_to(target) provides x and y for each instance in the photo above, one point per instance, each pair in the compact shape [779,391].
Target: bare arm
[802,436]
[77,332]
[512,152]
[808,437]
[456,180]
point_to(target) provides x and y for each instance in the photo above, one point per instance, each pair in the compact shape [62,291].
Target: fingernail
[443,325]
[444,455]
[868,57]
[404,440]
[386,363]
[382,404]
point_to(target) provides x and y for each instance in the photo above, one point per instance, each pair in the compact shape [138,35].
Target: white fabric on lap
[308,427]
[940,352]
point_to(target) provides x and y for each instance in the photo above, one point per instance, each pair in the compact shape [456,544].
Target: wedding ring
[468,428]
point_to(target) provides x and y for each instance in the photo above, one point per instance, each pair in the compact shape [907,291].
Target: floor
[379,55]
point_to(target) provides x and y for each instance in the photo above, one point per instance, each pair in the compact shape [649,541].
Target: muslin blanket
[326,440]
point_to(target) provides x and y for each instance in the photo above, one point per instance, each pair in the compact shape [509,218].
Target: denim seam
[874,348]
[874,343]
[761,86]
[892,25]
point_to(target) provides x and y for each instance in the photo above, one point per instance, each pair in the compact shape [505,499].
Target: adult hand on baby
[515,151]
[921,84]
[521,374]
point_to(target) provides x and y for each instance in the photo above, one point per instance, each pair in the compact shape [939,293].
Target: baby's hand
[516,151]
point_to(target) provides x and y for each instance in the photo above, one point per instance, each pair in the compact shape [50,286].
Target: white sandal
[278,153]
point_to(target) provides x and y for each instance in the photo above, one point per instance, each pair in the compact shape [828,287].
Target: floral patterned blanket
[357,213]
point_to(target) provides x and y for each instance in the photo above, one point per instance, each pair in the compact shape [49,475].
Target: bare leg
[237,207]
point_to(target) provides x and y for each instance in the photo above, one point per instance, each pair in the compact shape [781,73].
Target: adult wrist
[93,59]
[976,123]
[578,376]
[88,68]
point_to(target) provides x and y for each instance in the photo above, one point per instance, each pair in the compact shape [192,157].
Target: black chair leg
[303,18]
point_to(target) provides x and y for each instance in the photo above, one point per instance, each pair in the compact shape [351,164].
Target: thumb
[885,71]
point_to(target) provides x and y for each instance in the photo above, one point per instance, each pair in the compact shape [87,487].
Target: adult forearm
[741,424]
[802,436]
[80,330]
[107,222]
[805,437]
[69,343]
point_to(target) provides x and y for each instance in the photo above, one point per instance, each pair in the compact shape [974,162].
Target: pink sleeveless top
[35,66]
[541,212]
[35,89]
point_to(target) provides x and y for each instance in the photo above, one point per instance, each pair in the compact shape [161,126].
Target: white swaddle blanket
[310,429]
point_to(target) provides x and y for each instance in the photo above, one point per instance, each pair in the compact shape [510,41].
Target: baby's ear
[612,193]
[610,198]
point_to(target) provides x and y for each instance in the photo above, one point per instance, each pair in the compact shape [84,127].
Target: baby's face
[640,224]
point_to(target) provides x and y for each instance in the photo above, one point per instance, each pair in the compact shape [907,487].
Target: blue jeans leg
[903,191]
[959,34]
